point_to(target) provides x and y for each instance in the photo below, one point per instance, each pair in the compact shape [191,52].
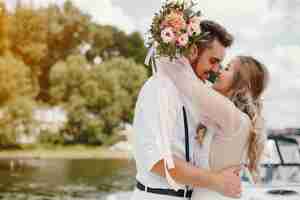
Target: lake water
[90,179]
[66,179]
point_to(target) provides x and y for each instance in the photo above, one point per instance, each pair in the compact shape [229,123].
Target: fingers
[234,195]
[232,182]
[238,170]
[235,169]
[233,191]
[234,185]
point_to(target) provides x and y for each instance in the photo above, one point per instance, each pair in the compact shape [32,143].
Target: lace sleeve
[205,102]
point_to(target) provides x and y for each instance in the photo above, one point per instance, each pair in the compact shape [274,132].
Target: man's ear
[193,54]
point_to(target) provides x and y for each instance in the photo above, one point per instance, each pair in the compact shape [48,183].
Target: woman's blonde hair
[250,81]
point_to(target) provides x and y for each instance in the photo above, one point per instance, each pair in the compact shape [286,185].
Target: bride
[232,114]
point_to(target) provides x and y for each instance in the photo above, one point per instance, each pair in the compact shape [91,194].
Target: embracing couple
[193,140]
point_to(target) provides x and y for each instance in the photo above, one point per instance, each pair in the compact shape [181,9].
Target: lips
[206,76]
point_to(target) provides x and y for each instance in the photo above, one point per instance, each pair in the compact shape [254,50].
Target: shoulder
[155,95]
[158,86]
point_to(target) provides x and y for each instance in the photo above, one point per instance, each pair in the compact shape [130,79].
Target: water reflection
[91,179]
[65,179]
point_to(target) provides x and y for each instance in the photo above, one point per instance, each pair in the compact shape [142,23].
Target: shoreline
[66,153]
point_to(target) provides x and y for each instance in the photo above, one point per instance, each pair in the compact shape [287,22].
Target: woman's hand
[228,182]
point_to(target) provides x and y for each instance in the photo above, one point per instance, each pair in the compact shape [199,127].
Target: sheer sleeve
[206,102]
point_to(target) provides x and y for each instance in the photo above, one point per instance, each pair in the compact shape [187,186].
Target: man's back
[147,128]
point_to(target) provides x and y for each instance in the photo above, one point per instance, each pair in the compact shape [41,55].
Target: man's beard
[213,76]
[194,67]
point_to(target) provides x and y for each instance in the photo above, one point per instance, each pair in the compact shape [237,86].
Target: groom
[152,177]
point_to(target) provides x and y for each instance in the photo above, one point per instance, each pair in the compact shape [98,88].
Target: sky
[266,29]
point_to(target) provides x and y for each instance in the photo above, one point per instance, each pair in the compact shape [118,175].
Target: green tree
[98,97]
[129,76]
[41,37]
[4,23]
[109,42]
[67,29]
[113,90]
[28,36]
[15,80]
[130,46]
[68,81]
[102,39]
[29,33]
[16,119]
[67,78]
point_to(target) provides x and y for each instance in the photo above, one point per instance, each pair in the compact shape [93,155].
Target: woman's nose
[221,71]
[216,68]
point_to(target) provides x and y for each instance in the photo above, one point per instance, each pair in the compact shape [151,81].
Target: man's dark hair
[215,31]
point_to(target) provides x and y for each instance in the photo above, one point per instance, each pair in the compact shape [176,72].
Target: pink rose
[168,35]
[175,20]
[182,40]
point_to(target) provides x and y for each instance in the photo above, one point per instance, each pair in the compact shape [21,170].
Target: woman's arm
[216,107]
[226,181]
[205,101]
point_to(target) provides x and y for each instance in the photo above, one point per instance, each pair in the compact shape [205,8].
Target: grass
[63,152]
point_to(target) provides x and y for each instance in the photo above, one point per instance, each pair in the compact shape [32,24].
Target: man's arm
[226,181]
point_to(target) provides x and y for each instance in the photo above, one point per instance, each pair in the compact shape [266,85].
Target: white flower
[168,35]
[176,1]
[98,60]
[194,29]
[182,40]
[195,19]
[187,3]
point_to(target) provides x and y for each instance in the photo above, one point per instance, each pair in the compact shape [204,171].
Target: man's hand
[228,182]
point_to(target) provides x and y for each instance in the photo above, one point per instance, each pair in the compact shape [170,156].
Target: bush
[83,127]
[16,119]
[15,80]
[98,98]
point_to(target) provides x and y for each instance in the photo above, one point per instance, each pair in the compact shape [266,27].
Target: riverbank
[71,152]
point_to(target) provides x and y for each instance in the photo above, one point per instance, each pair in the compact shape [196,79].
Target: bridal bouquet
[175,28]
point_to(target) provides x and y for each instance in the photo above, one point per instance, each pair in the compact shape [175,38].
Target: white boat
[280,172]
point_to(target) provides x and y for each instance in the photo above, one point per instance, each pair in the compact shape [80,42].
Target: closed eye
[214,61]
[227,67]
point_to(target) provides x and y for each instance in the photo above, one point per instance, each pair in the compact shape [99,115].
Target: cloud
[35,3]
[268,31]
[102,12]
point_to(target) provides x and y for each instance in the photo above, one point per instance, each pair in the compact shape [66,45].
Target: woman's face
[225,80]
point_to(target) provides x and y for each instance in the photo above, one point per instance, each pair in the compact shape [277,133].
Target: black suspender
[186,130]
[180,193]
[187,143]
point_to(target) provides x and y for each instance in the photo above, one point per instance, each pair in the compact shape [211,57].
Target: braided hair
[249,83]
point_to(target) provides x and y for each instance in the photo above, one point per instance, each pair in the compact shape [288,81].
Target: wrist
[210,180]
[214,180]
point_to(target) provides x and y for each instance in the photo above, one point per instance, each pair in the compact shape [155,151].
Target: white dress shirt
[148,142]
